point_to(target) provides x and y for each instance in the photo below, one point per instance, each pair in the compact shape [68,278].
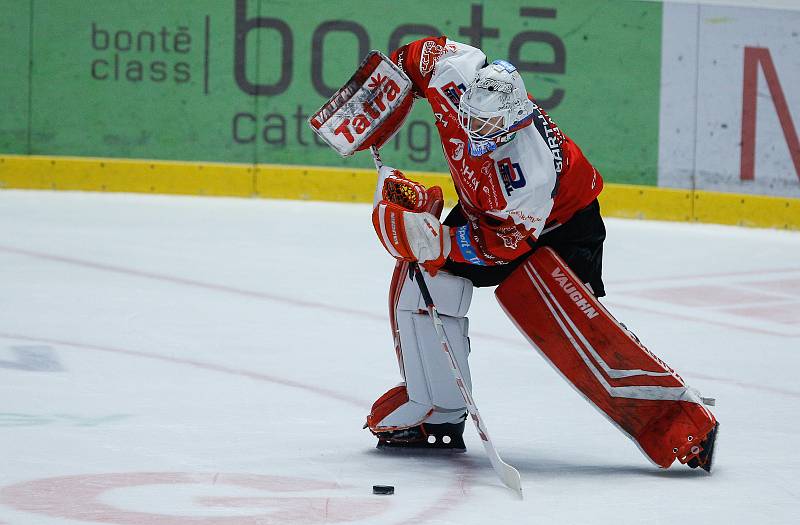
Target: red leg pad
[637,391]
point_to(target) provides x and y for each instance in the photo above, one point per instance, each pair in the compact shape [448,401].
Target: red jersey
[509,196]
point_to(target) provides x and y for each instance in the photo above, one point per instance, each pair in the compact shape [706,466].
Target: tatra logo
[331,107]
[573,293]
[458,153]
[373,107]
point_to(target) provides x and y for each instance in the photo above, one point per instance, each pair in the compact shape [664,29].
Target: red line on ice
[316,305]
[360,403]
[736,382]
[190,282]
[308,304]
[702,276]
[705,321]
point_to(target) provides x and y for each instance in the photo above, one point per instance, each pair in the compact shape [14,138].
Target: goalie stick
[507,474]
[358,116]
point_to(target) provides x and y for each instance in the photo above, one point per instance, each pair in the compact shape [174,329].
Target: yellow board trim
[358,185]
[125,175]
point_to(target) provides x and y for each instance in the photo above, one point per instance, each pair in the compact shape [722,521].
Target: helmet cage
[482,127]
[494,105]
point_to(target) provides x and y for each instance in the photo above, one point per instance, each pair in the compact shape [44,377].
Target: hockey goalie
[527,221]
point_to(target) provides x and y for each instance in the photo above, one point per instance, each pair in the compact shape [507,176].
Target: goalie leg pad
[632,387]
[452,295]
[396,399]
[430,393]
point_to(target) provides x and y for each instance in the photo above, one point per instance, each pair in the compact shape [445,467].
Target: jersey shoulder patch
[455,67]
[430,53]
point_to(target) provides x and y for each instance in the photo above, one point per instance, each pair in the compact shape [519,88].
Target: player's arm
[405,217]
[411,58]
[417,60]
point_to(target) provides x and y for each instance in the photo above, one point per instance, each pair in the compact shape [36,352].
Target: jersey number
[511,173]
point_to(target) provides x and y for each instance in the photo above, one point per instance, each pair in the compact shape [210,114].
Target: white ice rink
[176,361]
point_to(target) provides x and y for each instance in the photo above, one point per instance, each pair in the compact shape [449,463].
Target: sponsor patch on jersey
[491,196]
[453,92]
[431,53]
[468,176]
[511,237]
[554,139]
[482,148]
[525,217]
[511,175]
[458,151]
[463,235]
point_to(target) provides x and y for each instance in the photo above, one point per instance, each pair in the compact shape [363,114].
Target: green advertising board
[15,41]
[235,81]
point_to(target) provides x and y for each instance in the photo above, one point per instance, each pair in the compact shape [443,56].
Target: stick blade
[507,474]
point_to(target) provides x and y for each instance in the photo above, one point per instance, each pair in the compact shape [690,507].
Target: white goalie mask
[494,105]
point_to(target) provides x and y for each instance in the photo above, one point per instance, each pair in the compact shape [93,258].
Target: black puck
[382,489]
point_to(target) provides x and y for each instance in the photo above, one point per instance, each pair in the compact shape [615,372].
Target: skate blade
[421,450]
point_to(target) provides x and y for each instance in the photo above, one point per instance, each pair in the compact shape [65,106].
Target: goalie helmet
[494,105]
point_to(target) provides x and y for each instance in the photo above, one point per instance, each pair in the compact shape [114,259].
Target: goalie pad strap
[452,295]
[633,388]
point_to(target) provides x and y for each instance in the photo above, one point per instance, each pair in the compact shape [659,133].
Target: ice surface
[176,360]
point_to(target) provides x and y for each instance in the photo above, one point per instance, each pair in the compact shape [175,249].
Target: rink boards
[357,185]
[688,110]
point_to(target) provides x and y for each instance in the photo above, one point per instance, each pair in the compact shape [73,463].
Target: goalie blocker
[633,388]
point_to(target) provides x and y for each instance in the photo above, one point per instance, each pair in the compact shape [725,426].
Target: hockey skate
[439,437]
[705,457]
